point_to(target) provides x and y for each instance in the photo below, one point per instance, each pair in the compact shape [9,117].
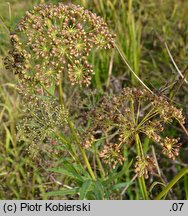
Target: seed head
[171,147]
[111,154]
[120,117]
[144,166]
[53,39]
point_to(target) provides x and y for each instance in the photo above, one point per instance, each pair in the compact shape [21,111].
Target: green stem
[138,112]
[143,183]
[141,149]
[137,146]
[71,126]
[141,179]
[183,172]
[101,169]
[60,93]
[81,149]
[46,90]
[132,110]
[72,151]
[148,116]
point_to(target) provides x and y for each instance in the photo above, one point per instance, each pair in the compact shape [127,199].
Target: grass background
[142,28]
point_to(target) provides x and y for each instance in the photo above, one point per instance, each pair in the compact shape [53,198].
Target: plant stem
[81,149]
[46,90]
[72,152]
[125,61]
[60,93]
[141,179]
[71,126]
[183,172]
[148,116]
[183,128]
[143,183]
[101,169]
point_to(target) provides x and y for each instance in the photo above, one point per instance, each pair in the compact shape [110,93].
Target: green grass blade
[85,189]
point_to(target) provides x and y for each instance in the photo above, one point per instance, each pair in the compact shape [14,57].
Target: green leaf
[8,138]
[52,88]
[75,168]
[120,185]
[66,172]
[85,188]
[83,171]
[164,192]
[115,175]
[98,190]
[63,192]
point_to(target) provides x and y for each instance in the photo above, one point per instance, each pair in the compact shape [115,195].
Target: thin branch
[110,68]
[132,180]
[184,129]
[122,56]
[174,63]
[155,158]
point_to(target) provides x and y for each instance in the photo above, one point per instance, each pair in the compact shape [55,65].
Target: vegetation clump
[64,137]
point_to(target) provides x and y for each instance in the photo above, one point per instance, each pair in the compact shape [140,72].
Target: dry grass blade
[122,56]
[174,63]
[110,68]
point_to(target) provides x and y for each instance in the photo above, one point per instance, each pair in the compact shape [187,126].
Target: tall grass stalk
[182,173]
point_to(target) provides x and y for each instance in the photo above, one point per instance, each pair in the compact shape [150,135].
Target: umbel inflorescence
[124,119]
[55,39]
[43,121]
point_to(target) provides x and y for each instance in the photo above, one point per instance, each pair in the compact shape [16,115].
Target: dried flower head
[152,130]
[119,118]
[144,166]
[111,155]
[52,39]
[88,141]
[171,147]
[167,111]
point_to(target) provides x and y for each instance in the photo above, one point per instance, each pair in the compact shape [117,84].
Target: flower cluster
[152,130]
[44,120]
[167,111]
[144,166]
[171,147]
[111,155]
[119,118]
[54,39]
